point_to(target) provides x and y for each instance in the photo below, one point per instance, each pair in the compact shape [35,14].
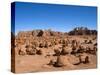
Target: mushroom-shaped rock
[86,60]
[31,51]
[64,52]
[73,59]
[57,52]
[59,62]
[21,52]
[63,61]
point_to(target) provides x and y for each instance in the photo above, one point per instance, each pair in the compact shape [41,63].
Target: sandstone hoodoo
[76,49]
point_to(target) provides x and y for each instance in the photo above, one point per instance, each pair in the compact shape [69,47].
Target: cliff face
[39,33]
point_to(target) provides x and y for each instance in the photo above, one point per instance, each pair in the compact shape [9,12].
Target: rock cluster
[69,51]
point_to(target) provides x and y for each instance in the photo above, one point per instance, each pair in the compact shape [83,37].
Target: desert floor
[68,61]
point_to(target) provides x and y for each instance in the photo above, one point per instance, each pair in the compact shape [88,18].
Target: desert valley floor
[37,51]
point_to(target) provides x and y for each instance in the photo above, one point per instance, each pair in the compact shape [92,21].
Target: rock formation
[55,49]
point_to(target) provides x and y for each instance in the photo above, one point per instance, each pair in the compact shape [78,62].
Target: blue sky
[30,16]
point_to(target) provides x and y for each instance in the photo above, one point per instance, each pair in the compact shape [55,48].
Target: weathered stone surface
[46,49]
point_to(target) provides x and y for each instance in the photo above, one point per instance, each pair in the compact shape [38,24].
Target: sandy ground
[39,63]
[31,64]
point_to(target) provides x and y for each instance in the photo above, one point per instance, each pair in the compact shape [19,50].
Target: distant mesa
[82,31]
[49,32]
